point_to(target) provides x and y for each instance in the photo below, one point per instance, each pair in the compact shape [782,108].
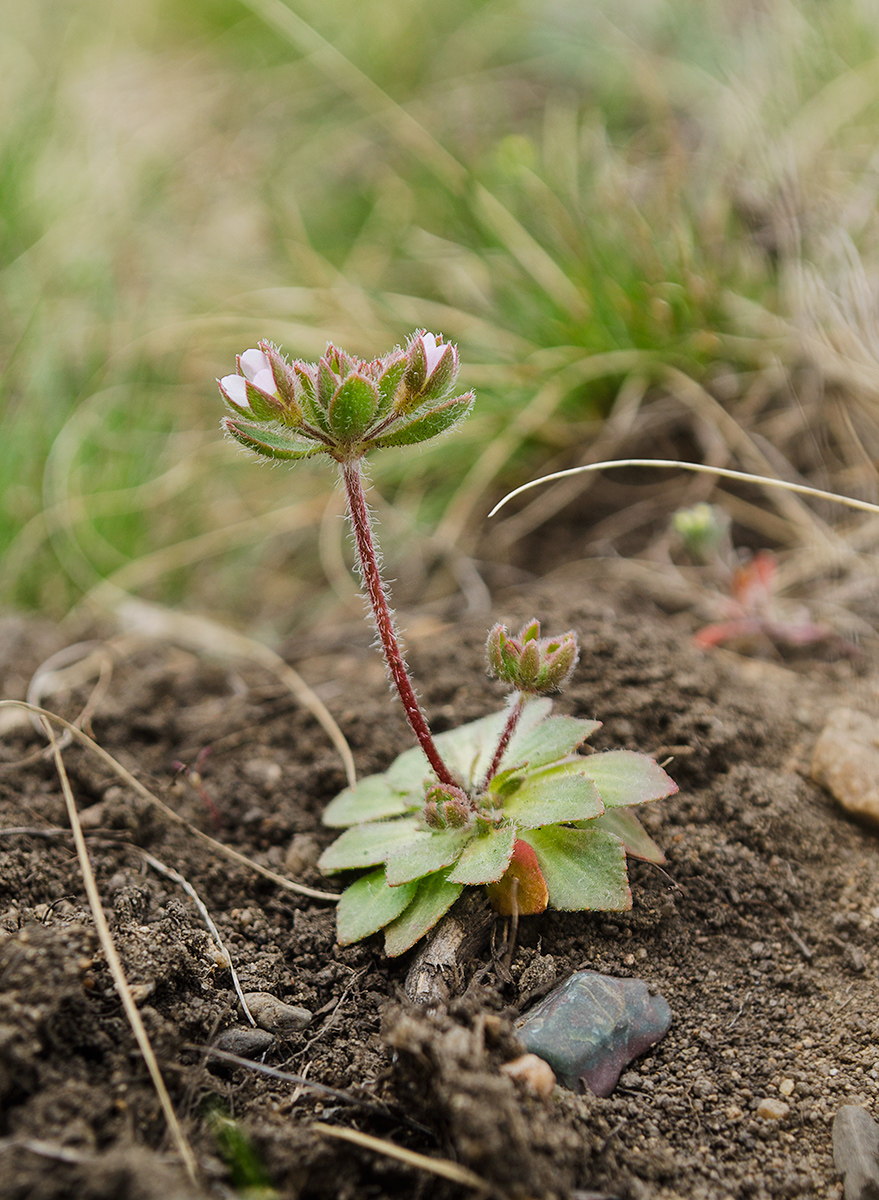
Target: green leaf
[485,857]
[353,407]
[373,798]
[265,442]
[388,384]
[467,750]
[583,868]
[425,853]
[630,831]
[263,406]
[625,777]
[327,382]
[434,898]
[430,424]
[548,742]
[368,904]
[410,771]
[551,797]
[366,845]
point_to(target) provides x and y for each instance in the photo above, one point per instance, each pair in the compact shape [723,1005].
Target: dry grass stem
[170,873]
[115,966]
[422,1162]
[801,489]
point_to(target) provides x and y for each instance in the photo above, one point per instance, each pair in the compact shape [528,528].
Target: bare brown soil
[760,933]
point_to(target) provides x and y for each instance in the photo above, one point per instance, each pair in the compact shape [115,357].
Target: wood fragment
[437,971]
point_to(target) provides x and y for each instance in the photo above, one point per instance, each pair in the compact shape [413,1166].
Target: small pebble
[856,1152]
[535,1075]
[786,1087]
[274,1015]
[771,1109]
[244,1041]
[302,853]
[846,761]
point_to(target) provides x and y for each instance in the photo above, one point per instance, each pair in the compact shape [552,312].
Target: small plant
[748,591]
[506,802]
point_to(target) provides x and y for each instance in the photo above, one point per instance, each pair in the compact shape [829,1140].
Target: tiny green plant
[507,802]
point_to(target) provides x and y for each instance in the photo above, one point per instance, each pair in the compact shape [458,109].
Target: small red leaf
[523,888]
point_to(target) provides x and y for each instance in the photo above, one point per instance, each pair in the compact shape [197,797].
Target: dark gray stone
[592,1026]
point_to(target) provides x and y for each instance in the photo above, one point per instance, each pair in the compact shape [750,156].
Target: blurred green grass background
[607,206]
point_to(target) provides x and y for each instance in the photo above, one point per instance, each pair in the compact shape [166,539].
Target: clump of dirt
[760,933]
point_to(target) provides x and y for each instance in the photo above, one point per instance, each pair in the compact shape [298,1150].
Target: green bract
[572,810]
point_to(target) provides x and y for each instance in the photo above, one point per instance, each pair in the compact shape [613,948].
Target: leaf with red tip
[523,888]
[432,423]
[265,442]
[353,407]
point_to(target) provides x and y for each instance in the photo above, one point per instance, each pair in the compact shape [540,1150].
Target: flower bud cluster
[343,406]
[448,807]
[530,663]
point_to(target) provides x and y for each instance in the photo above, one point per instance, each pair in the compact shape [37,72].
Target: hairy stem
[509,730]
[384,622]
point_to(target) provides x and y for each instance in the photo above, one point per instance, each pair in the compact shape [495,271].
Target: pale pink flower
[254,367]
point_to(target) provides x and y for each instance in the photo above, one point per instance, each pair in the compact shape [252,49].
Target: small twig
[115,965]
[745,999]
[322,1089]
[169,812]
[514,924]
[807,954]
[443,1167]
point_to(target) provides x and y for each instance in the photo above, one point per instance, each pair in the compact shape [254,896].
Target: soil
[760,932]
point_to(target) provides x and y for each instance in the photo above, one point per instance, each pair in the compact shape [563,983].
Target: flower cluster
[343,406]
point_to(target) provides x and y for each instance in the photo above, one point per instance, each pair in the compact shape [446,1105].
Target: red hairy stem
[509,730]
[384,622]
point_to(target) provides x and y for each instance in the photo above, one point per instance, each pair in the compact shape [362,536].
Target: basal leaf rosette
[551,827]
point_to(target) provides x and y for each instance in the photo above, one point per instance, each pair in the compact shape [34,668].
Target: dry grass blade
[458,515]
[443,1167]
[115,965]
[137,786]
[801,489]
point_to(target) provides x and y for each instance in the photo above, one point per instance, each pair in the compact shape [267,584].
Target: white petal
[235,388]
[432,352]
[254,361]
[265,380]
